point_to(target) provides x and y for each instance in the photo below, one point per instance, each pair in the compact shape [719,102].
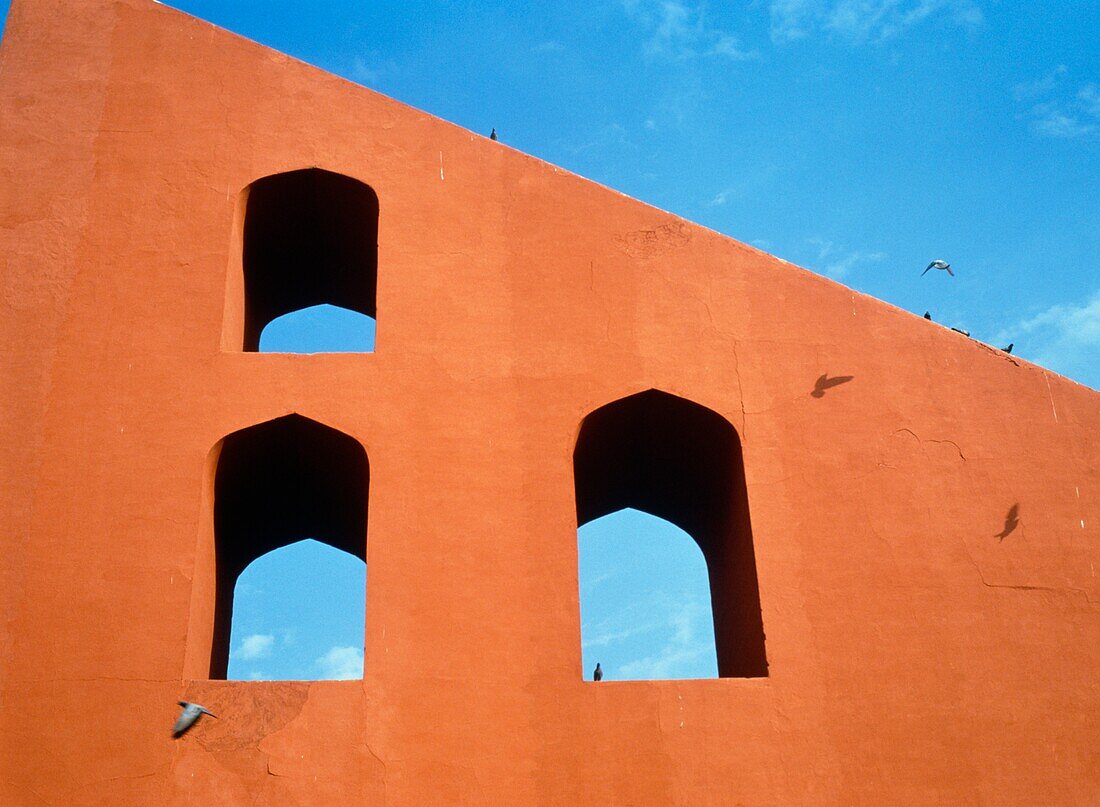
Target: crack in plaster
[382,762]
[938,442]
[740,392]
[1023,586]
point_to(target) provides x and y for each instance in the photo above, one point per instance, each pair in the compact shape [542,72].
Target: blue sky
[858,138]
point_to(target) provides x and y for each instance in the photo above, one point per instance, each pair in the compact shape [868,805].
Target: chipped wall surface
[925,643]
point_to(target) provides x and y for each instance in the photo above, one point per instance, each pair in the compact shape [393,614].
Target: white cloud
[342,663]
[792,19]
[1052,120]
[612,137]
[836,262]
[1034,90]
[683,650]
[679,30]
[1055,111]
[256,646]
[865,20]
[1064,338]
[1089,96]
[370,72]
[721,197]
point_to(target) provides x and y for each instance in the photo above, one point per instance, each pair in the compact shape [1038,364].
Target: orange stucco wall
[913,657]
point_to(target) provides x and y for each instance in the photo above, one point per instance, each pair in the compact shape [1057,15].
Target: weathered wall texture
[913,656]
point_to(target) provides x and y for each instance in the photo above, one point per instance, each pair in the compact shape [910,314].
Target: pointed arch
[309,237]
[681,462]
[274,484]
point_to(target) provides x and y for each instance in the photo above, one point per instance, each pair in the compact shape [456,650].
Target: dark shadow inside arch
[681,462]
[277,483]
[310,238]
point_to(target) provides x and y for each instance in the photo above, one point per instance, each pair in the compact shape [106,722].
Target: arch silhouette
[682,462]
[276,483]
[310,237]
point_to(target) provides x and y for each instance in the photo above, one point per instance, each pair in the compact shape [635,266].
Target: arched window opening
[310,238]
[298,614]
[319,329]
[645,600]
[681,462]
[276,484]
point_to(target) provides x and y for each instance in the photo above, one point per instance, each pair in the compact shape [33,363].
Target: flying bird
[824,383]
[493,135]
[597,674]
[938,264]
[1009,348]
[1012,521]
[190,714]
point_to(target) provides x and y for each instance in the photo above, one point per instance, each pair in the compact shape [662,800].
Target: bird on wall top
[1009,348]
[493,135]
[938,264]
[928,314]
[190,714]
[597,674]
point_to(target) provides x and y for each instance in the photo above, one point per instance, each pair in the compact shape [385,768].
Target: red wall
[913,656]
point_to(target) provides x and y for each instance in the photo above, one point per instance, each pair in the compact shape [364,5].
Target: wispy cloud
[721,197]
[865,20]
[1089,97]
[684,649]
[341,663]
[256,646]
[1038,88]
[370,72]
[1053,109]
[679,30]
[1064,338]
[836,261]
[609,137]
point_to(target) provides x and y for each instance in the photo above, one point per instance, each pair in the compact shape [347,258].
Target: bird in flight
[824,382]
[190,714]
[938,264]
[597,674]
[1012,521]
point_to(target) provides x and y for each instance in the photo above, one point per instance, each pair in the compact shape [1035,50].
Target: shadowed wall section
[310,237]
[277,483]
[680,461]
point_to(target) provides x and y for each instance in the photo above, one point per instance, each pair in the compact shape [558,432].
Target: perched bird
[493,135]
[938,264]
[960,330]
[191,713]
[824,382]
[1012,521]
[928,315]
[597,674]
[1009,348]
